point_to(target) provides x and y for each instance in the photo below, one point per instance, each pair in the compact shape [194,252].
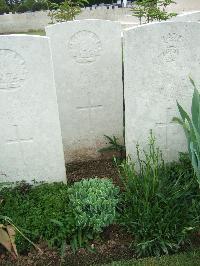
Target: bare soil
[90,169]
[114,244]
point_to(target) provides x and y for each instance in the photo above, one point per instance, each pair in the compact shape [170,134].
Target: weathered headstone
[30,135]
[87,59]
[159,58]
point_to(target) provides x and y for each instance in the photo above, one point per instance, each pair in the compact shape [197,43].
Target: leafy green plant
[93,203]
[4,8]
[8,230]
[159,207]
[29,4]
[21,8]
[66,10]
[33,208]
[191,128]
[152,10]
[114,145]
[39,5]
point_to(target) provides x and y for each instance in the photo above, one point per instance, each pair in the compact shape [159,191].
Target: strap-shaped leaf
[194,159]
[193,83]
[185,117]
[188,132]
[197,137]
[195,162]
[195,109]
[183,113]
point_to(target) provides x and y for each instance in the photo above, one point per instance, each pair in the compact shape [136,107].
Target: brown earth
[100,169]
[114,244]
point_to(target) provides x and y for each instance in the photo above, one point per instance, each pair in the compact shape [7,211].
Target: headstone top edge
[188,13]
[159,24]
[26,36]
[62,24]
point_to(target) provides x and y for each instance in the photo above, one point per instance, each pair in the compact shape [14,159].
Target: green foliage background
[4,8]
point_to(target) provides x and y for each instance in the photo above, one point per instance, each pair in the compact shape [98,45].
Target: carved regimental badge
[85,46]
[173,45]
[12,70]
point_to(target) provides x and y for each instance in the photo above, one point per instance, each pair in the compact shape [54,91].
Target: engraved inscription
[85,47]
[12,70]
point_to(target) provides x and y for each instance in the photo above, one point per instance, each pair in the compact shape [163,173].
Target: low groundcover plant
[31,208]
[58,214]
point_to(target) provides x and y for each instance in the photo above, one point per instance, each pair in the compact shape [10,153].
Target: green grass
[30,32]
[184,259]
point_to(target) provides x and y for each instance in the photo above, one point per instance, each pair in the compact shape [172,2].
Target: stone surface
[159,58]
[30,135]
[87,58]
[188,16]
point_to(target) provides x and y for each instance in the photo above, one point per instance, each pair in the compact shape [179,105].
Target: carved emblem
[172,37]
[170,54]
[85,46]
[173,45]
[12,70]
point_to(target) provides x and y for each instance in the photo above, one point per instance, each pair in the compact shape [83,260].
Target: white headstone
[87,58]
[159,58]
[30,135]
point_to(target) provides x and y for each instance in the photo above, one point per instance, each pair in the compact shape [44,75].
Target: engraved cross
[89,107]
[166,124]
[20,141]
